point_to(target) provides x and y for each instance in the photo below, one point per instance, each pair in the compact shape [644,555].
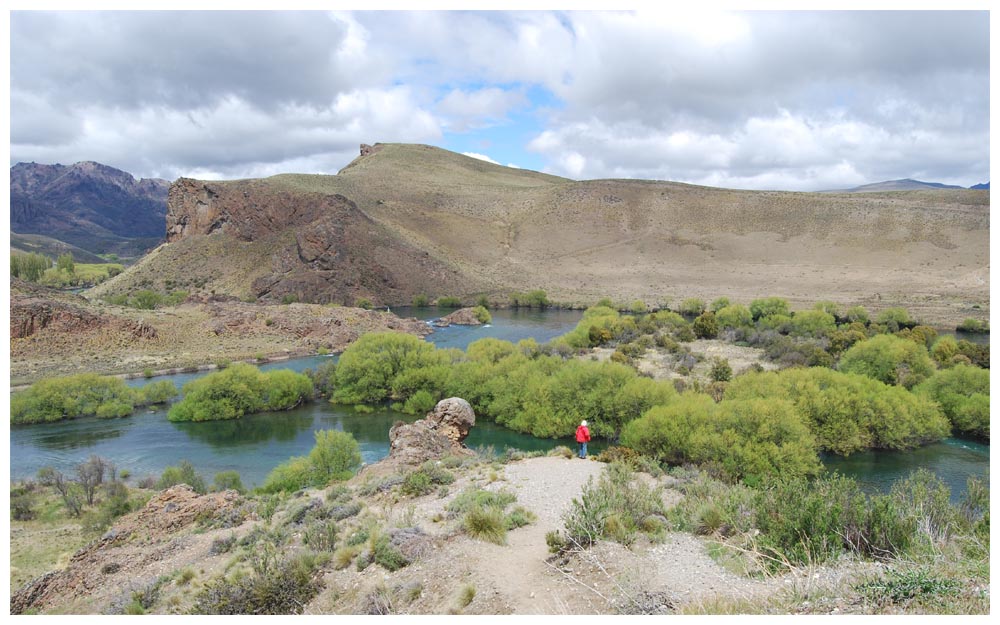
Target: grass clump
[615,508]
[484,514]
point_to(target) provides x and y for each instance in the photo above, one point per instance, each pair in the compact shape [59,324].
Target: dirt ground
[676,574]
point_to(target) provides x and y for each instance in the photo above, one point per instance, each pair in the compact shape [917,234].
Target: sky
[791,100]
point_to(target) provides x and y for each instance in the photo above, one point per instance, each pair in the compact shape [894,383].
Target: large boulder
[438,434]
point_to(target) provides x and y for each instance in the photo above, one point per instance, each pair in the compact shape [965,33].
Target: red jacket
[582,434]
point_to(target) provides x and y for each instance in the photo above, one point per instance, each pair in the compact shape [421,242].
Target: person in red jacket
[582,437]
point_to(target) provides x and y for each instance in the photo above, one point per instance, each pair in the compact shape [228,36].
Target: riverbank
[55,334]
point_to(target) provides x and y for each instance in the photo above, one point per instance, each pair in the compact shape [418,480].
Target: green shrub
[336,456]
[894,319]
[614,508]
[847,412]
[283,587]
[963,392]
[705,326]
[363,302]
[239,390]
[146,300]
[449,302]
[718,304]
[974,326]
[769,307]
[368,368]
[482,314]
[734,316]
[720,371]
[816,323]
[692,307]
[228,480]
[184,473]
[82,395]
[420,301]
[889,359]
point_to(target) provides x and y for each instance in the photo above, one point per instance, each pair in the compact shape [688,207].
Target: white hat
[583,422]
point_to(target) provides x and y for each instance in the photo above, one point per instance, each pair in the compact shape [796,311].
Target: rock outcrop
[461,317]
[440,433]
[314,247]
[130,545]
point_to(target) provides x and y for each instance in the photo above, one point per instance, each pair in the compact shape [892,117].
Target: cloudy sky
[757,100]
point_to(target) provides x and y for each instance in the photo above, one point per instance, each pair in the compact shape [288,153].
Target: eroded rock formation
[440,433]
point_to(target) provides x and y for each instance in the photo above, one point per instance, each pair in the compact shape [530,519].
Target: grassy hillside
[492,229]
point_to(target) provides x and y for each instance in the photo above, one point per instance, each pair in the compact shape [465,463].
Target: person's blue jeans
[583,449]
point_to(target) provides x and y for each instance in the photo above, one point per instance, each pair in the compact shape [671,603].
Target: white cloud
[481,157]
[777,99]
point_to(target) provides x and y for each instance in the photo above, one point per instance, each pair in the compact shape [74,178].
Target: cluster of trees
[84,395]
[335,457]
[29,267]
[238,390]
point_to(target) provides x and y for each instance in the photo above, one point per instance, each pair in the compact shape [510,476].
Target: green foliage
[228,480]
[420,402]
[289,298]
[371,366]
[239,390]
[421,301]
[705,326]
[817,323]
[483,513]
[718,304]
[449,302]
[615,508]
[274,587]
[848,412]
[974,326]
[944,350]
[734,316]
[532,299]
[28,267]
[638,307]
[184,473]
[363,302]
[336,456]
[857,314]
[889,359]
[963,392]
[769,307]
[159,392]
[482,314]
[720,371]
[423,480]
[82,395]
[692,306]
[894,318]
[899,590]
[830,308]
[65,262]
[146,300]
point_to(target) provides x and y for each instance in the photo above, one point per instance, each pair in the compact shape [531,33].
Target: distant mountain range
[89,205]
[906,184]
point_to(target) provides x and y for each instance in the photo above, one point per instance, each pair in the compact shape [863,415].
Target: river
[147,442]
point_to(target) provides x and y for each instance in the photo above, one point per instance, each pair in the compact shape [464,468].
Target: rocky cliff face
[322,247]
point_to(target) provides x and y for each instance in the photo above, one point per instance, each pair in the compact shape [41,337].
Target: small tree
[721,371]
[91,475]
[67,489]
[65,263]
[705,326]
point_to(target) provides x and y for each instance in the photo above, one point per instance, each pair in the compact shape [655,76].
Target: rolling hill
[402,220]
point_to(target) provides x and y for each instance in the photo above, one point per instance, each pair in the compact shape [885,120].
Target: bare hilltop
[405,220]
